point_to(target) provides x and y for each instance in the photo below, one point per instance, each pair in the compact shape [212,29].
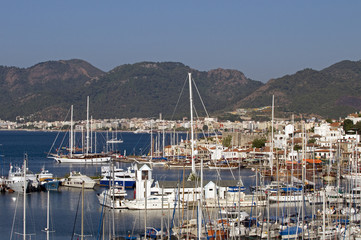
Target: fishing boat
[50,184]
[47,181]
[15,179]
[76,180]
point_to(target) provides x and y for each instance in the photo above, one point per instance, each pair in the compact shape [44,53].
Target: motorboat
[117,176]
[153,202]
[77,180]
[113,197]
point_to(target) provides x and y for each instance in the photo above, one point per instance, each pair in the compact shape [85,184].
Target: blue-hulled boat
[50,184]
[121,177]
[127,182]
[47,181]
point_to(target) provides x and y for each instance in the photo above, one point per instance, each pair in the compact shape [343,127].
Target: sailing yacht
[115,139]
[81,158]
[84,157]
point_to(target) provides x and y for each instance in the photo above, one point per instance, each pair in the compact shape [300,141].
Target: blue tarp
[160,158]
[291,189]
[291,231]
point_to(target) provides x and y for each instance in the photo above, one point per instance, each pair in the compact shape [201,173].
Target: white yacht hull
[107,201]
[77,180]
[151,205]
[82,159]
[78,184]
[290,198]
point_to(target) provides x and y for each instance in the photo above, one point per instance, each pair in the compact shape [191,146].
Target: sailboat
[47,229]
[115,138]
[81,235]
[193,173]
[84,157]
[23,191]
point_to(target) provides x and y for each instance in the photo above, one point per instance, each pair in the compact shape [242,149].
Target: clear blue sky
[263,39]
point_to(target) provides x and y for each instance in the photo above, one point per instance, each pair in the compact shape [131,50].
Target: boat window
[145,175]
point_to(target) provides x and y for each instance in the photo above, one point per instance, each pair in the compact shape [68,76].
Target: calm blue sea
[64,203]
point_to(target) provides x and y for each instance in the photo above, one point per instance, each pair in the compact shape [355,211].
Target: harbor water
[65,203]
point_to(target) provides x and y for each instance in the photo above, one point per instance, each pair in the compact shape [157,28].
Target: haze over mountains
[46,90]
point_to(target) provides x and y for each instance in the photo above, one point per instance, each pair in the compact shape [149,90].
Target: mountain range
[46,91]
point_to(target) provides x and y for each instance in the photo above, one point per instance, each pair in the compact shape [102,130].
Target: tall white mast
[24,210]
[71,132]
[191,109]
[303,173]
[87,126]
[82,210]
[163,140]
[91,134]
[48,216]
[151,141]
[199,230]
[273,112]
[95,142]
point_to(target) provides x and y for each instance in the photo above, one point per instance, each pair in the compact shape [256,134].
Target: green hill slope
[46,91]
[331,92]
[147,89]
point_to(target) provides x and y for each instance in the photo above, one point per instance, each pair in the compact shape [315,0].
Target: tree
[312,140]
[229,117]
[260,118]
[329,120]
[297,147]
[357,127]
[347,125]
[226,142]
[259,142]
